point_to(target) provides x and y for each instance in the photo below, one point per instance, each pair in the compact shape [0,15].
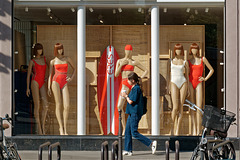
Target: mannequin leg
[121,102]
[44,99]
[175,102]
[36,100]
[58,100]
[199,99]
[66,106]
[183,94]
[192,113]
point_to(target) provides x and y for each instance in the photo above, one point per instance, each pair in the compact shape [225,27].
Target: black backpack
[144,105]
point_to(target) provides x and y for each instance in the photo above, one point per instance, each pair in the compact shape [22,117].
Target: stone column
[155,69]
[81,82]
[6,59]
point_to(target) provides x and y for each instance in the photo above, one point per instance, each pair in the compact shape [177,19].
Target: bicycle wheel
[14,153]
[198,155]
[226,151]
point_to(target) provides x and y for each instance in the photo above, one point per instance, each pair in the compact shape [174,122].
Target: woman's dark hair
[37,46]
[133,76]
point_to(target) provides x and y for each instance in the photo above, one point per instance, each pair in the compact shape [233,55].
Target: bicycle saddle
[5,126]
[219,134]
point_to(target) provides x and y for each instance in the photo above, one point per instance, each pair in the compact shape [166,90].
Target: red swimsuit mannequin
[58,84]
[196,65]
[38,66]
[125,66]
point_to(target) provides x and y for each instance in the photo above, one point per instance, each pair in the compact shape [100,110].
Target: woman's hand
[68,79]
[168,88]
[124,94]
[201,79]
[28,92]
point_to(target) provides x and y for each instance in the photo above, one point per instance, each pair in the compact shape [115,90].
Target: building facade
[86,28]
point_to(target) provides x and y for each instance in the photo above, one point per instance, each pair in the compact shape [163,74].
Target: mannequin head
[38,49]
[178,48]
[58,49]
[128,50]
[194,49]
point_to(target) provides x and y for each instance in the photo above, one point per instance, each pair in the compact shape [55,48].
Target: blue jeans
[132,131]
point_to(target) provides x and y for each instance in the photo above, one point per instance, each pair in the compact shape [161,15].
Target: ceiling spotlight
[26,9]
[120,10]
[164,10]
[51,17]
[91,9]
[188,10]
[196,11]
[114,11]
[139,10]
[72,9]
[142,11]
[144,23]
[185,24]
[206,10]
[49,10]
[149,10]
[101,21]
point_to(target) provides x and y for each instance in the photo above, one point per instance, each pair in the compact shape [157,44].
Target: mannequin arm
[140,66]
[211,70]
[50,77]
[28,77]
[168,77]
[118,69]
[74,69]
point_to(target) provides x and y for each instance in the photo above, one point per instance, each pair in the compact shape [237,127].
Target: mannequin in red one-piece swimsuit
[125,66]
[58,83]
[196,65]
[38,66]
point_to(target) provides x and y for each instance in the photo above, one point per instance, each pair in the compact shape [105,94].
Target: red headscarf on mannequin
[128,47]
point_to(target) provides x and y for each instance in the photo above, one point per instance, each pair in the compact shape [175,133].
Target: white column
[81,83]
[155,69]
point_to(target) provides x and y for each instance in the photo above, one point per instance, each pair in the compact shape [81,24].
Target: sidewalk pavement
[96,155]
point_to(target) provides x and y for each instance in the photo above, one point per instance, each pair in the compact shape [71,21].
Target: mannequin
[125,66]
[177,86]
[59,86]
[196,65]
[37,67]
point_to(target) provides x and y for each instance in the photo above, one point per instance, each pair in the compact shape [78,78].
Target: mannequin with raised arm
[196,65]
[125,66]
[37,67]
[59,85]
[177,86]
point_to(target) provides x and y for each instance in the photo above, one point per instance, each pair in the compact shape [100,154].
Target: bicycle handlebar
[193,106]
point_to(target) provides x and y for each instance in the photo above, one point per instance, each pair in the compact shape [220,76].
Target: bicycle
[7,148]
[217,122]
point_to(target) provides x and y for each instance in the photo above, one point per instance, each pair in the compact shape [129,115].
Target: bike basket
[214,119]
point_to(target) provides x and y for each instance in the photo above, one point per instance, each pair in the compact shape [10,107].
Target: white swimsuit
[177,74]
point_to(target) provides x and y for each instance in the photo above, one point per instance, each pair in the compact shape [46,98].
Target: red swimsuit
[196,72]
[39,73]
[60,75]
[125,80]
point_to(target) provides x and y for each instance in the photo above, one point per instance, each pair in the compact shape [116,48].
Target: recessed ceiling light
[114,11]
[26,9]
[164,10]
[188,10]
[206,10]
[120,10]
[72,9]
[49,9]
[91,9]
[139,9]
[196,11]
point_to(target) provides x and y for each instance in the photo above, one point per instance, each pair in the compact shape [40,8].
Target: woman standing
[135,111]
[59,85]
[37,67]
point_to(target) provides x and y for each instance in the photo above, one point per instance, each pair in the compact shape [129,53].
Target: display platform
[93,143]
